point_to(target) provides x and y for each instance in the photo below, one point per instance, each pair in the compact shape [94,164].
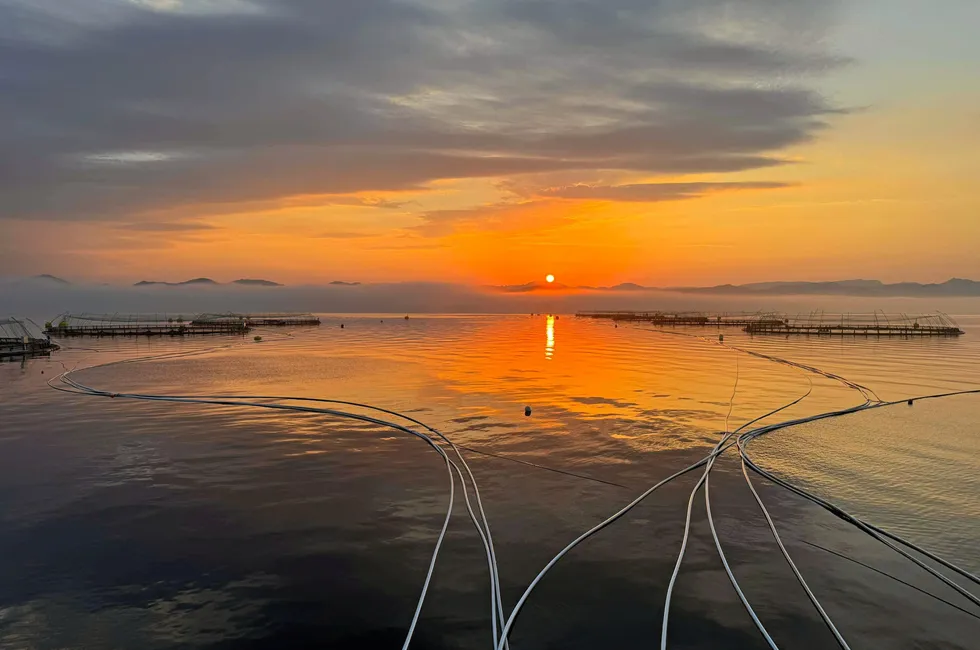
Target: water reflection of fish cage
[685,319]
[261,320]
[22,337]
[879,323]
[139,325]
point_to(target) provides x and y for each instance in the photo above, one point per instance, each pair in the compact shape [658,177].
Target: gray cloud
[653,192]
[167,226]
[110,108]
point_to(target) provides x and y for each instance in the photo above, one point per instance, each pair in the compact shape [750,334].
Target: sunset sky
[664,142]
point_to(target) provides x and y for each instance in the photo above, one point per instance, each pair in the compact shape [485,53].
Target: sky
[663,142]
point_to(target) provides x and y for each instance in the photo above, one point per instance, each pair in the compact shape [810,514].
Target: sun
[549,278]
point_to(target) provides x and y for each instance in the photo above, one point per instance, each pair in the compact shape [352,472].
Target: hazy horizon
[434,298]
[245,279]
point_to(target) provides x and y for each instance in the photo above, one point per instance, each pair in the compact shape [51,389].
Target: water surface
[153,525]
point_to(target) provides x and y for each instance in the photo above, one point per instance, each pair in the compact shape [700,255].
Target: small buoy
[721,337]
[910,402]
[527,410]
[42,372]
[406,318]
[257,339]
[341,326]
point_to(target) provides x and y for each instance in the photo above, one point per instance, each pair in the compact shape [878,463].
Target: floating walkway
[279,319]
[874,324]
[22,337]
[815,323]
[684,319]
[140,325]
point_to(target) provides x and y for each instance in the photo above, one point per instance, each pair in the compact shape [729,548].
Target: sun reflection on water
[549,346]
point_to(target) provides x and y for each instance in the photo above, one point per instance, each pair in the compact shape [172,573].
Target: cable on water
[871,401]
[238,401]
[869,395]
[705,480]
[603,524]
[432,443]
[835,510]
[619,514]
[874,531]
[888,575]
[861,525]
[687,530]
[76,387]
[500,642]
[799,576]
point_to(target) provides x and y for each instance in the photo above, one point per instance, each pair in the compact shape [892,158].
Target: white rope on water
[869,395]
[874,531]
[796,571]
[741,441]
[813,599]
[621,512]
[867,528]
[496,605]
[687,531]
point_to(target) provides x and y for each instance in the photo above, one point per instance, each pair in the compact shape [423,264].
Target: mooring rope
[496,605]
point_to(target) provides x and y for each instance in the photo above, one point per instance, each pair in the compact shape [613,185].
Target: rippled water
[151,525]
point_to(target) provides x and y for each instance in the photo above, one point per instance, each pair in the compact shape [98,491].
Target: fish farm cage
[281,319]
[871,324]
[685,319]
[22,337]
[140,325]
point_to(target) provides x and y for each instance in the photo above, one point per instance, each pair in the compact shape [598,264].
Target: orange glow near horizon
[840,154]
[459,230]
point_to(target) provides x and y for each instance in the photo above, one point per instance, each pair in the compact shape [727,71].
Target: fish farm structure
[260,320]
[140,325]
[873,324]
[685,319]
[23,338]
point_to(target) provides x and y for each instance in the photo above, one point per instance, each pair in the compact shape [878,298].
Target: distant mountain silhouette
[955,287]
[531,286]
[208,282]
[195,281]
[47,277]
[629,286]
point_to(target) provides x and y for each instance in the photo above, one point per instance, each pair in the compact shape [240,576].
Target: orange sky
[879,183]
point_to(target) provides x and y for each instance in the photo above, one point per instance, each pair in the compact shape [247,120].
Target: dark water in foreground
[130,524]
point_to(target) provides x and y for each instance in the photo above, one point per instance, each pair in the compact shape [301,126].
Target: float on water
[86,324]
[871,324]
[816,323]
[272,319]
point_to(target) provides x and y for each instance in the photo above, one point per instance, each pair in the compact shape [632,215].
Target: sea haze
[42,298]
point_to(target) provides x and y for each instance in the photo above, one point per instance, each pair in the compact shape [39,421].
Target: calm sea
[130,524]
